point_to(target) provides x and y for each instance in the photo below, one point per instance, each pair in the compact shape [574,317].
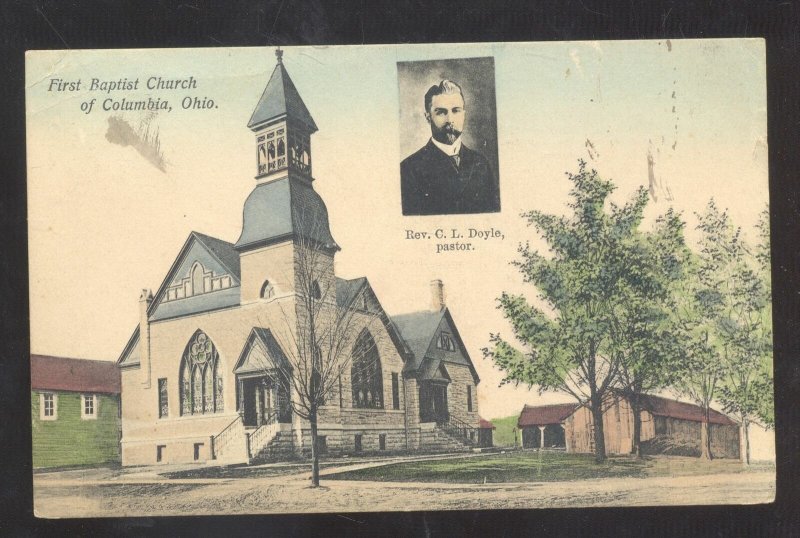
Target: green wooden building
[75,410]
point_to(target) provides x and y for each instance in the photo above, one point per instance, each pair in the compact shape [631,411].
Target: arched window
[316,293]
[365,373]
[267,290]
[197,279]
[201,377]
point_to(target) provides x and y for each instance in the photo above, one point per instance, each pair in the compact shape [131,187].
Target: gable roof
[541,415]
[130,353]
[486,424]
[666,407]
[261,352]
[220,252]
[347,290]
[223,251]
[281,98]
[419,330]
[74,375]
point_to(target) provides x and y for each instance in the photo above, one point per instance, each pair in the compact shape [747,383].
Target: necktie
[456,160]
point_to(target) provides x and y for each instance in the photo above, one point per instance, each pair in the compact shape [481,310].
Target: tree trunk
[705,438]
[312,418]
[599,435]
[746,431]
[637,430]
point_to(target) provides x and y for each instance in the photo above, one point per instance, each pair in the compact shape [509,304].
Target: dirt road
[143,492]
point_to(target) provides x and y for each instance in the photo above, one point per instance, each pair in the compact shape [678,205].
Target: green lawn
[532,466]
[503,435]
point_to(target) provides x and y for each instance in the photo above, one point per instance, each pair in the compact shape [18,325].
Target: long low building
[668,427]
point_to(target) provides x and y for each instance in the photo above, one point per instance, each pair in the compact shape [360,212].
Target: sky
[105,222]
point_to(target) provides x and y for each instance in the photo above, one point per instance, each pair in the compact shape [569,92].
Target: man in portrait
[445,176]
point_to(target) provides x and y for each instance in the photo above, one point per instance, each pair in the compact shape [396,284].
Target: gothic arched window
[365,373]
[201,377]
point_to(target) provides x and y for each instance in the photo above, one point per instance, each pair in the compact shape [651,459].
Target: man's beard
[446,135]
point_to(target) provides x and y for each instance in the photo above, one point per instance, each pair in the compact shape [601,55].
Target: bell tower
[283,213]
[283,127]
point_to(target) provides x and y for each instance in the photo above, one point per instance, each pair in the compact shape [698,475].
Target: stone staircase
[443,439]
[279,448]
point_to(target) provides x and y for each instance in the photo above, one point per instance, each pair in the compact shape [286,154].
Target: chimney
[437,295]
[145,299]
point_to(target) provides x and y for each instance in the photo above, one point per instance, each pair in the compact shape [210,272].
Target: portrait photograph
[448,137]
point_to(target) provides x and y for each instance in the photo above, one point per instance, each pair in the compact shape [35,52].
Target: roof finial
[279,55]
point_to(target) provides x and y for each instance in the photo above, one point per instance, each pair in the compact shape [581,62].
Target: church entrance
[433,402]
[262,401]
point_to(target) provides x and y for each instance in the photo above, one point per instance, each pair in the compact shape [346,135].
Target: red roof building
[542,415]
[667,426]
[74,375]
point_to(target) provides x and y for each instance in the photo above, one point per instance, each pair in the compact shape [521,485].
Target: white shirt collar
[449,149]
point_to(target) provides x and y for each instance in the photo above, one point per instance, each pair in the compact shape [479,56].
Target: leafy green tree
[644,334]
[747,326]
[728,334]
[567,345]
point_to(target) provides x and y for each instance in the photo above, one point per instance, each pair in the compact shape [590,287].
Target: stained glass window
[365,373]
[163,402]
[201,377]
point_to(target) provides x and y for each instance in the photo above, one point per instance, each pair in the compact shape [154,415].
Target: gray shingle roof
[224,251]
[346,290]
[280,209]
[281,98]
[418,329]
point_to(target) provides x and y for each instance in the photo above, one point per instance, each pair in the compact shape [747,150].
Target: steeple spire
[283,127]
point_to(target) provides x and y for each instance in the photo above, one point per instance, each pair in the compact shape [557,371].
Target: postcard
[399,277]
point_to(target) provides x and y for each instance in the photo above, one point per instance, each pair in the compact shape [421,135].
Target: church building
[201,374]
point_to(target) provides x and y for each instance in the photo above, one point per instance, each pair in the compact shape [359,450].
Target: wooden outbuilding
[668,427]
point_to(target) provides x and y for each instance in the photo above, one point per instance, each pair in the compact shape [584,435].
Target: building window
[89,407]
[365,373]
[160,449]
[382,441]
[201,377]
[395,391]
[359,446]
[48,406]
[316,292]
[469,398]
[197,448]
[267,290]
[446,342]
[163,401]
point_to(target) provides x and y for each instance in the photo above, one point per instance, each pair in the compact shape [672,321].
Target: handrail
[224,438]
[459,428]
[262,436]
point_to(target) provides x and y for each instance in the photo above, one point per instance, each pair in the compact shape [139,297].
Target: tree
[719,315]
[747,325]
[569,346]
[320,331]
[643,332]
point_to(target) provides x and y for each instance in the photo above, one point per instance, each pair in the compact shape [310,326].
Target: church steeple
[283,206]
[283,127]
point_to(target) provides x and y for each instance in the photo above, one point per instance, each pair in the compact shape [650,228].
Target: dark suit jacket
[432,185]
